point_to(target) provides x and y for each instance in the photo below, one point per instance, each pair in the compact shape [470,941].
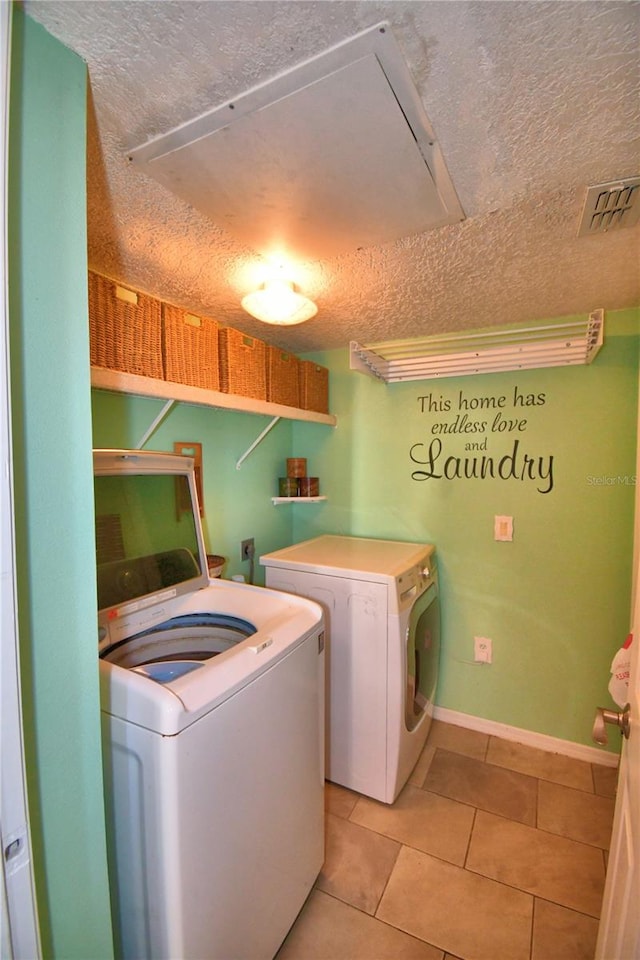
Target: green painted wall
[53,484]
[556,600]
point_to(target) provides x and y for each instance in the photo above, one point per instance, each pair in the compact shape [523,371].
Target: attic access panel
[332,155]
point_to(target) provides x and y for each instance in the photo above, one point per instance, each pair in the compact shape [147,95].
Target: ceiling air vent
[610,206]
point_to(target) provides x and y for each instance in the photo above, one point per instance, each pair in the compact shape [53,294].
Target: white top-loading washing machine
[380,599]
[213,729]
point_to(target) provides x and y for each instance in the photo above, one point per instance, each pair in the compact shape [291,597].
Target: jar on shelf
[288,487]
[296,467]
[309,486]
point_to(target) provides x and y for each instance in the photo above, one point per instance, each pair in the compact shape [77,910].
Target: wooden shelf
[114,381]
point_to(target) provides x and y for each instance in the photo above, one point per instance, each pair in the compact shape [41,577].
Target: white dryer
[213,729]
[380,599]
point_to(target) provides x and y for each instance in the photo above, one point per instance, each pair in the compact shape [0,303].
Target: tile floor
[493,851]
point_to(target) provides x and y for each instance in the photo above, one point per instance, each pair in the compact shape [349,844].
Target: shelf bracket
[155,424]
[255,443]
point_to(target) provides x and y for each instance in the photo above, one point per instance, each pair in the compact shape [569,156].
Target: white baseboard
[542,741]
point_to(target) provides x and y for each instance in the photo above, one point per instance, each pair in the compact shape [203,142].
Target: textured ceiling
[530,102]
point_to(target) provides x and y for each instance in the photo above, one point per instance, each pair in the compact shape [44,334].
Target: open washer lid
[149,543]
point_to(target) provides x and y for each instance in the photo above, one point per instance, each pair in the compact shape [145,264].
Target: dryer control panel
[413,582]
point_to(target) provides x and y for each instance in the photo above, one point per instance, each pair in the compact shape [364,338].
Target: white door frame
[19,936]
[619,930]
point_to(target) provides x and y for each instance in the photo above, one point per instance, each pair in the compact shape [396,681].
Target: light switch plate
[503,528]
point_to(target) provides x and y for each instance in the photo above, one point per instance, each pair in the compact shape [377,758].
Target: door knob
[610,716]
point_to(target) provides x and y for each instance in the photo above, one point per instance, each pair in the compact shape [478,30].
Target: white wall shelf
[277,500]
[114,381]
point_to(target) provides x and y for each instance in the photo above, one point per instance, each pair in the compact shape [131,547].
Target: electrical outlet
[482,649]
[247,549]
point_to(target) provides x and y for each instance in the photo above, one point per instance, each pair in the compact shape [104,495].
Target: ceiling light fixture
[277,302]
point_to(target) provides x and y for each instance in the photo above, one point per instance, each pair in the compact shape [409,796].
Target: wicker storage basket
[314,387]
[190,348]
[124,328]
[243,369]
[282,377]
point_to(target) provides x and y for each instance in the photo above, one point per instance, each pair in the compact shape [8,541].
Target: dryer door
[423,652]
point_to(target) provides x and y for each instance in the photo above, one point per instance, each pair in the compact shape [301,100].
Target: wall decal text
[515,465]
[479,418]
